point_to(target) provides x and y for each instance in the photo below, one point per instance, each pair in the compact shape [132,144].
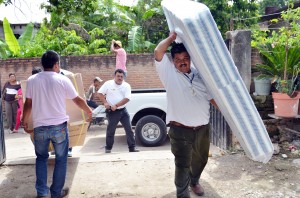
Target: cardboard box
[77,125]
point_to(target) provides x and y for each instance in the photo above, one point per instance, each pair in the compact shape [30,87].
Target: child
[19,96]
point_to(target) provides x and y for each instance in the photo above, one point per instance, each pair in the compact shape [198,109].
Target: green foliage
[4,50]
[281,51]
[97,47]
[239,10]
[266,3]
[63,11]
[10,38]
[26,36]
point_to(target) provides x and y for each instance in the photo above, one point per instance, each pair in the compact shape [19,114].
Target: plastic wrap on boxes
[77,125]
[197,30]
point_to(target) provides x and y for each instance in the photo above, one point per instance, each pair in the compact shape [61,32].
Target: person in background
[50,122]
[187,114]
[115,94]
[9,91]
[90,95]
[121,56]
[19,97]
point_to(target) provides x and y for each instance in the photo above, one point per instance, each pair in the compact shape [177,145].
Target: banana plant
[10,38]
[16,46]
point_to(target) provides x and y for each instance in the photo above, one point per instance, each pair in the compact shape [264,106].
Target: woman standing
[10,90]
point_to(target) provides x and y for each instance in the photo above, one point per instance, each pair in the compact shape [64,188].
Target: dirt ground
[149,173]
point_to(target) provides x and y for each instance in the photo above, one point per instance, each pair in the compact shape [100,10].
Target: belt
[173,123]
[120,109]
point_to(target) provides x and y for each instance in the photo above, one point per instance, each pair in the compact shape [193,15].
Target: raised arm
[162,47]
[112,48]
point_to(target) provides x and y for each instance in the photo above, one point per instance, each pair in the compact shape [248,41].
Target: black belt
[173,123]
[109,110]
[120,109]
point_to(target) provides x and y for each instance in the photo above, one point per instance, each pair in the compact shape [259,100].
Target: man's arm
[80,102]
[26,113]
[162,47]
[213,102]
[103,99]
[112,48]
[122,102]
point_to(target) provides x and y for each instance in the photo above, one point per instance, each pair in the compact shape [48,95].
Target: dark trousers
[11,109]
[92,104]
[114,117]
[190,148]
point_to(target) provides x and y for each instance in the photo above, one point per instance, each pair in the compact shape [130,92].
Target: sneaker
[52,153]
[107,150]
[69,153]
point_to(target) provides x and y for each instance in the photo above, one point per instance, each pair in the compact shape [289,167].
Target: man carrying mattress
[187,114]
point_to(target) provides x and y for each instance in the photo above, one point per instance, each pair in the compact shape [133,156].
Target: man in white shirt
[115,94]
[187,114]
[46,95]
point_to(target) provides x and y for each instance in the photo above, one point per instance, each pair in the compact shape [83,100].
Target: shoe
[107,150]
[197,189]
[15,131]
[39,196]
[134,150]
[52,153]
[69,153]
[64,192]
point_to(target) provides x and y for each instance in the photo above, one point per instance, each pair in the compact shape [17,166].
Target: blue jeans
[113,117]
[59,136]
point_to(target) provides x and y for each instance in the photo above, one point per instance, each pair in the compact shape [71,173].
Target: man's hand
[114,107]
[25,127]
[107,106]
[89,118]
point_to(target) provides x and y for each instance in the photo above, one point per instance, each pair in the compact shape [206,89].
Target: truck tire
[151,131]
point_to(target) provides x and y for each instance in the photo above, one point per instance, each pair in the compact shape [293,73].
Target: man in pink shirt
[116,47]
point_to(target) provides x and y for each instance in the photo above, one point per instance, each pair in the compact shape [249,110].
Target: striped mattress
[197,30]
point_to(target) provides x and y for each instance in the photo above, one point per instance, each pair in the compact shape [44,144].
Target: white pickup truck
[147,109]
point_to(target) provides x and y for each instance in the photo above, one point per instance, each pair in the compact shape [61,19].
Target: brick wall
[141,69]
[255,57]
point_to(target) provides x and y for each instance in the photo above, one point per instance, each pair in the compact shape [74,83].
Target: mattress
[197,30]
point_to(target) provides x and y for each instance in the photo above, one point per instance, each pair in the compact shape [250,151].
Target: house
[18,29]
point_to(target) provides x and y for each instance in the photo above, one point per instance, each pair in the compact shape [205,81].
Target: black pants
[114,117]
[190,148]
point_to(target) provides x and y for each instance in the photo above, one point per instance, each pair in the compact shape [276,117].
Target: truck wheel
[151,130]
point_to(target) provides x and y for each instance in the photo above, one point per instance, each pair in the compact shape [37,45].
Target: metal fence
[221,135]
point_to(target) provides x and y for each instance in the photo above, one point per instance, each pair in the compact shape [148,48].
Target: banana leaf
[3,50]
[10,38]
[26,36]
[134,39]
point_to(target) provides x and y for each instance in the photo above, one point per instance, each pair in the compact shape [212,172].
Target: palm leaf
[10,38]
[134,39]
[26,36]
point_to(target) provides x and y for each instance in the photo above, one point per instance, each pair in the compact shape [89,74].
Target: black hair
[116,45]
[11,74]
[120,71]
[36,70]
[177,48]
[49,59]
